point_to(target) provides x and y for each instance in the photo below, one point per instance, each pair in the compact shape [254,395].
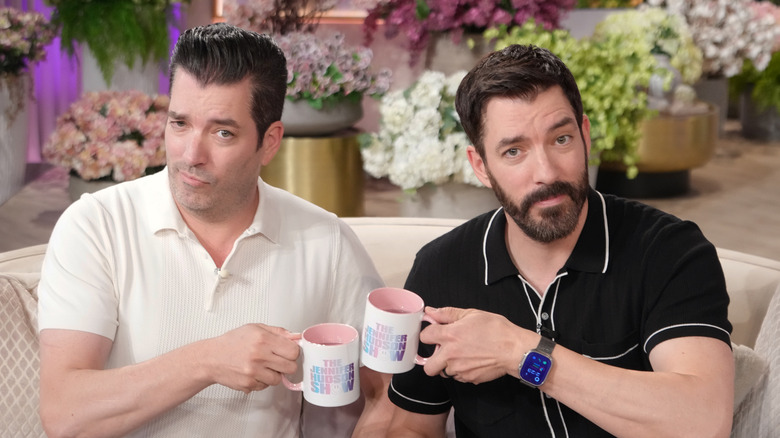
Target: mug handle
[419,360]
[293,386]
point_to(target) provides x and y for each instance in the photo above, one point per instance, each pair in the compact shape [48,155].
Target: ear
[586,134]
[272,140]
[478,164]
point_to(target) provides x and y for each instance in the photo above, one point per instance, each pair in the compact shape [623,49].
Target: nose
[545,170]
[195,151]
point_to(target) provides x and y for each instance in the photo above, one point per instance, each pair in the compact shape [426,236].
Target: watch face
[535,368]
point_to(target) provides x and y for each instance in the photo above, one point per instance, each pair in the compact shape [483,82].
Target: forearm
[637,404]
[378,410]
[113,402]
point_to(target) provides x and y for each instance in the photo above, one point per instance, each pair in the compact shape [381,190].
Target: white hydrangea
[411,147]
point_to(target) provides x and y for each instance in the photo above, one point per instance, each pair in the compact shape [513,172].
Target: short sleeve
[686,290]
[76,290]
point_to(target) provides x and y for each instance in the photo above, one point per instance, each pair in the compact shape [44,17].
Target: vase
[13,134]
[77,186]
[326,171]
[758,124]
[141,77]
[659,94]
[716,92]
[670,147]
[301,120]
[449,57]
[448,200]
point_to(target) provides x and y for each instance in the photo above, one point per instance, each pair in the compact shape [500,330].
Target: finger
[445,315]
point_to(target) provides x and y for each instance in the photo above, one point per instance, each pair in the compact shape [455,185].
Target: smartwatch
[536,363]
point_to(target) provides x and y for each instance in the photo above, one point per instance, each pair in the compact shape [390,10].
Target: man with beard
[566,312]
[169,305]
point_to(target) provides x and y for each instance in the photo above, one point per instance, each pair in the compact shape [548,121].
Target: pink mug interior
[330,334]
[395,300]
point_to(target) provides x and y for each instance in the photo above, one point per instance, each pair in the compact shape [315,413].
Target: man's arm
[689,393]
[375,419]
[80,397]
[407,424]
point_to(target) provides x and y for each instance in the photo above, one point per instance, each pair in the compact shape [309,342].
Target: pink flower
[110,134]
[418,19]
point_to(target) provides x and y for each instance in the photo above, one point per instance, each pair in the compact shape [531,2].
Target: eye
[177,123]
[224,133]
[512,152]
[563,139]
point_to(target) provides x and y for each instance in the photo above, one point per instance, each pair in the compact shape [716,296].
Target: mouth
[191,180]
[551,201]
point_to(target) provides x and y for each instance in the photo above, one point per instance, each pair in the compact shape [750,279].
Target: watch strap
[546,345]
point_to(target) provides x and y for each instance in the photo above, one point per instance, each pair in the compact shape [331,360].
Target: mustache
[549,191]
[195,172]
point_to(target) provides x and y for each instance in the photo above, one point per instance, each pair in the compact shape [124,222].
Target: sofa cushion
[750,373]
[18,360]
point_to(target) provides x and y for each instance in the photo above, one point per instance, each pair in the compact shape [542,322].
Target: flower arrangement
[111,135]
[418,19]
[420,138]
[126,31]
[323,70]
[612,74]
[23,39]
[761,83]
[277,17]
[726,32]
[666,34]
[608,3]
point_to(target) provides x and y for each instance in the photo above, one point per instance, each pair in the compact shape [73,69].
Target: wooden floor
[735,199]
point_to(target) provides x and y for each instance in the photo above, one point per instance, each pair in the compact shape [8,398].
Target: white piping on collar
[606,233]
[484,241]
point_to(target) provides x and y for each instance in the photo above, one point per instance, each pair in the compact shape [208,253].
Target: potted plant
[420,138]
[110,136]
[612,75]
[114,31]
[327,78]
[727,34]
[757,90]
[23,40]
[419,20]
[421,147]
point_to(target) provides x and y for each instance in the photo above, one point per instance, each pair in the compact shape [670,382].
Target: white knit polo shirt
[123,264]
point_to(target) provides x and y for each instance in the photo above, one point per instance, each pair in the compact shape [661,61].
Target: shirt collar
[267,221]
[590,254]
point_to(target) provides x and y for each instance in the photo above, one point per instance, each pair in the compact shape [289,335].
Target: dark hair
[516,71]
[223,54]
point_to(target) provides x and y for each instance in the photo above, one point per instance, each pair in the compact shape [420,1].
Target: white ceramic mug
[331,362]
[391,330]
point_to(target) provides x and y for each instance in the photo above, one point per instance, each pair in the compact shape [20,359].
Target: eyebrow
[521,138]
[226,122]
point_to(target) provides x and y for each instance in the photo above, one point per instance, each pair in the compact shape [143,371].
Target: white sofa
[392,243]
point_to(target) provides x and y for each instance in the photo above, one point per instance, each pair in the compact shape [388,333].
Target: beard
[554,222]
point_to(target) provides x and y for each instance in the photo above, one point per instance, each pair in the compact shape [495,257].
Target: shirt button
[545,316]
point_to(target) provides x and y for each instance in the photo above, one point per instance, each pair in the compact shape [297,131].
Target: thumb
[445,315]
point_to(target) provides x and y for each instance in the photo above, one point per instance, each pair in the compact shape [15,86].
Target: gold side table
[327,171]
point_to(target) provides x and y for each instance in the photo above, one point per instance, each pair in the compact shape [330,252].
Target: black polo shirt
[636,277]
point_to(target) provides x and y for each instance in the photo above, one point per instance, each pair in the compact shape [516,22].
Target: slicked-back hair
[222,54]
[517,71]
